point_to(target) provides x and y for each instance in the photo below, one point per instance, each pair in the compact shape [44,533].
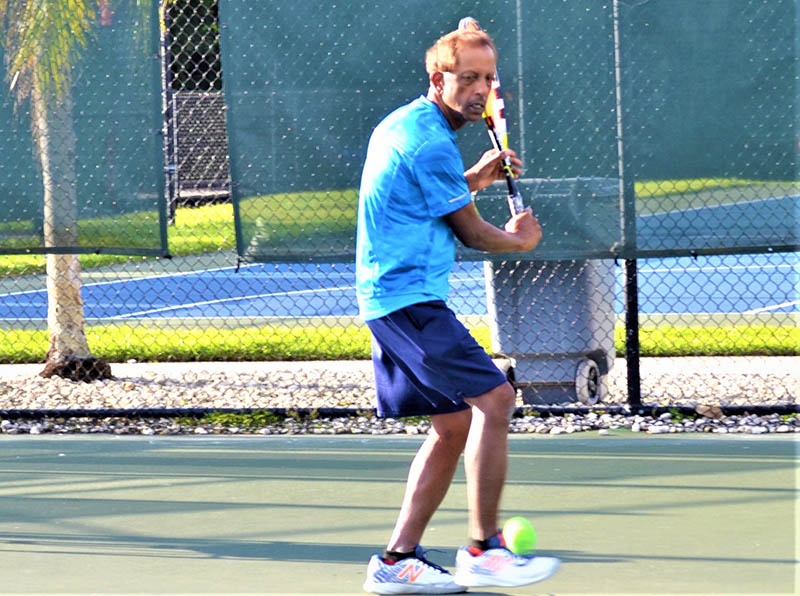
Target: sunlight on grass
[653,188]
[197,230]
[299,223]
[119,343]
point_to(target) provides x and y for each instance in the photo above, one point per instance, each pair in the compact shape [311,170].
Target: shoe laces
[420,553]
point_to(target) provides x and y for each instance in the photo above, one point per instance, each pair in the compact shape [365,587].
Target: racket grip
[515,202]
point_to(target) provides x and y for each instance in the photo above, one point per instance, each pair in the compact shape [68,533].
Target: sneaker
[499,567]
[415,575]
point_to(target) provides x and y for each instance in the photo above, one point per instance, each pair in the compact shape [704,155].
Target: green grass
[658,196]
[739,340]
[658,188]
[196,231]
[293,215]
[119,343]
[252,420]
[209,228]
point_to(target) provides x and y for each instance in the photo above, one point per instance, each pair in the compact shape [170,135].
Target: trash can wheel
[588,382]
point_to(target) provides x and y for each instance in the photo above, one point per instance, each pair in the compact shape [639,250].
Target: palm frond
[42,41]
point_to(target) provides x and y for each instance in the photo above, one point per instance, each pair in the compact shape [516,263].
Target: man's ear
[437,81]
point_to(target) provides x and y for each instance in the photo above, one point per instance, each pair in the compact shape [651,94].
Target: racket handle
[515,202]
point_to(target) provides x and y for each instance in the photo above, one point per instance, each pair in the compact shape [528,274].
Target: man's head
[461,67]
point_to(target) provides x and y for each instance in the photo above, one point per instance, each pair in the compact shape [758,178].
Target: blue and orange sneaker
[499,567]
[415,575]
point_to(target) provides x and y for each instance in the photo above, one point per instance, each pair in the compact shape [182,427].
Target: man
[415,197]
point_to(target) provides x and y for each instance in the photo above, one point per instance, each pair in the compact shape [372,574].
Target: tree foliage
[42,40]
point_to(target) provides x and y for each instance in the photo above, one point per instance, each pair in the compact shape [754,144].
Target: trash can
[553,317]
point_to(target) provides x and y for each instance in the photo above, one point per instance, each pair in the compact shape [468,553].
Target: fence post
[168,104]
[628,224]
[632,334]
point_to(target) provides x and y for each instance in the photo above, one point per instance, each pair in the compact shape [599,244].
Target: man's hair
[442,56]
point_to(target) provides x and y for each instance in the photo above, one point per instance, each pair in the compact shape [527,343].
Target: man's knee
[498,403]
[506,399]
[452,429]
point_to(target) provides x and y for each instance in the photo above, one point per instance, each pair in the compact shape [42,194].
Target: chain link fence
[660,147]
[80,122]
[196,145]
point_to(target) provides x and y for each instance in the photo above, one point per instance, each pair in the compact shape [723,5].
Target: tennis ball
[519,535]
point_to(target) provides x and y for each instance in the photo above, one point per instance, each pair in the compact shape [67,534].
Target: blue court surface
[748,284]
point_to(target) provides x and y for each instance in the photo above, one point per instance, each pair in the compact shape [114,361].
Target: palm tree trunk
[68,354]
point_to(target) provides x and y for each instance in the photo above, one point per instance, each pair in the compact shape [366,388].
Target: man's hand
[526,228]
[490,168]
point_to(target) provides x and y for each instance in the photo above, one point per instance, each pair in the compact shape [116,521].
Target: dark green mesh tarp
[305,83]
[20,182]
[710,109]
[116,119]
[703,94]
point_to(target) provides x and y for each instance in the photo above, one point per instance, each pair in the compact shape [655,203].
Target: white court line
[279,274]
[164,275]
[755,311]
[253,296]
[23,292]
[146,278]
[224,300]
[713,268]
[135,279]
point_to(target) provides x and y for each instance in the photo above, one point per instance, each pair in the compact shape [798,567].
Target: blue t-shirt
[413,176]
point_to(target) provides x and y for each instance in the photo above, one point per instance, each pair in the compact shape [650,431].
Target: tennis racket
[494,115]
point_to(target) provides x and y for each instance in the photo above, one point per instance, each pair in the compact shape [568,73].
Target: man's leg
[486,458]
[429,477]
[428,480]
[485,461]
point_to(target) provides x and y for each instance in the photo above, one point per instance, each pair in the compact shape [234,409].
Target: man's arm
[521,233]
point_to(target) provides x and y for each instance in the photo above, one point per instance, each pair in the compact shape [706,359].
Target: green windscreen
[305,83]
[103,147]
[645,128]
[711,129]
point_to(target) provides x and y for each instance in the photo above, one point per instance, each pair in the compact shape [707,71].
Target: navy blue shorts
[426,362]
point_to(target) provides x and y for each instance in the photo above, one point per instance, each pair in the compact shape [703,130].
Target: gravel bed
[678,385]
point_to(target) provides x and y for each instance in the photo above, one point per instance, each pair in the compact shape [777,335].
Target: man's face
[465,90]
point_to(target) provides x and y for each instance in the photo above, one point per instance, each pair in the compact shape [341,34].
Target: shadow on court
[625,513]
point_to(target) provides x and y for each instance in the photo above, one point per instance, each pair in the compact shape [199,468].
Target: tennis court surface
[227,515]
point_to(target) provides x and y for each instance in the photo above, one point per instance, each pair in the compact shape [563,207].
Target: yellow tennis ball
[519,535]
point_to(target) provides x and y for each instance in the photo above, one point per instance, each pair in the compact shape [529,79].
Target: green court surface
[627,514]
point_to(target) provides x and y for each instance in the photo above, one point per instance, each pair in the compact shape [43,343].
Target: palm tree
[42,40]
